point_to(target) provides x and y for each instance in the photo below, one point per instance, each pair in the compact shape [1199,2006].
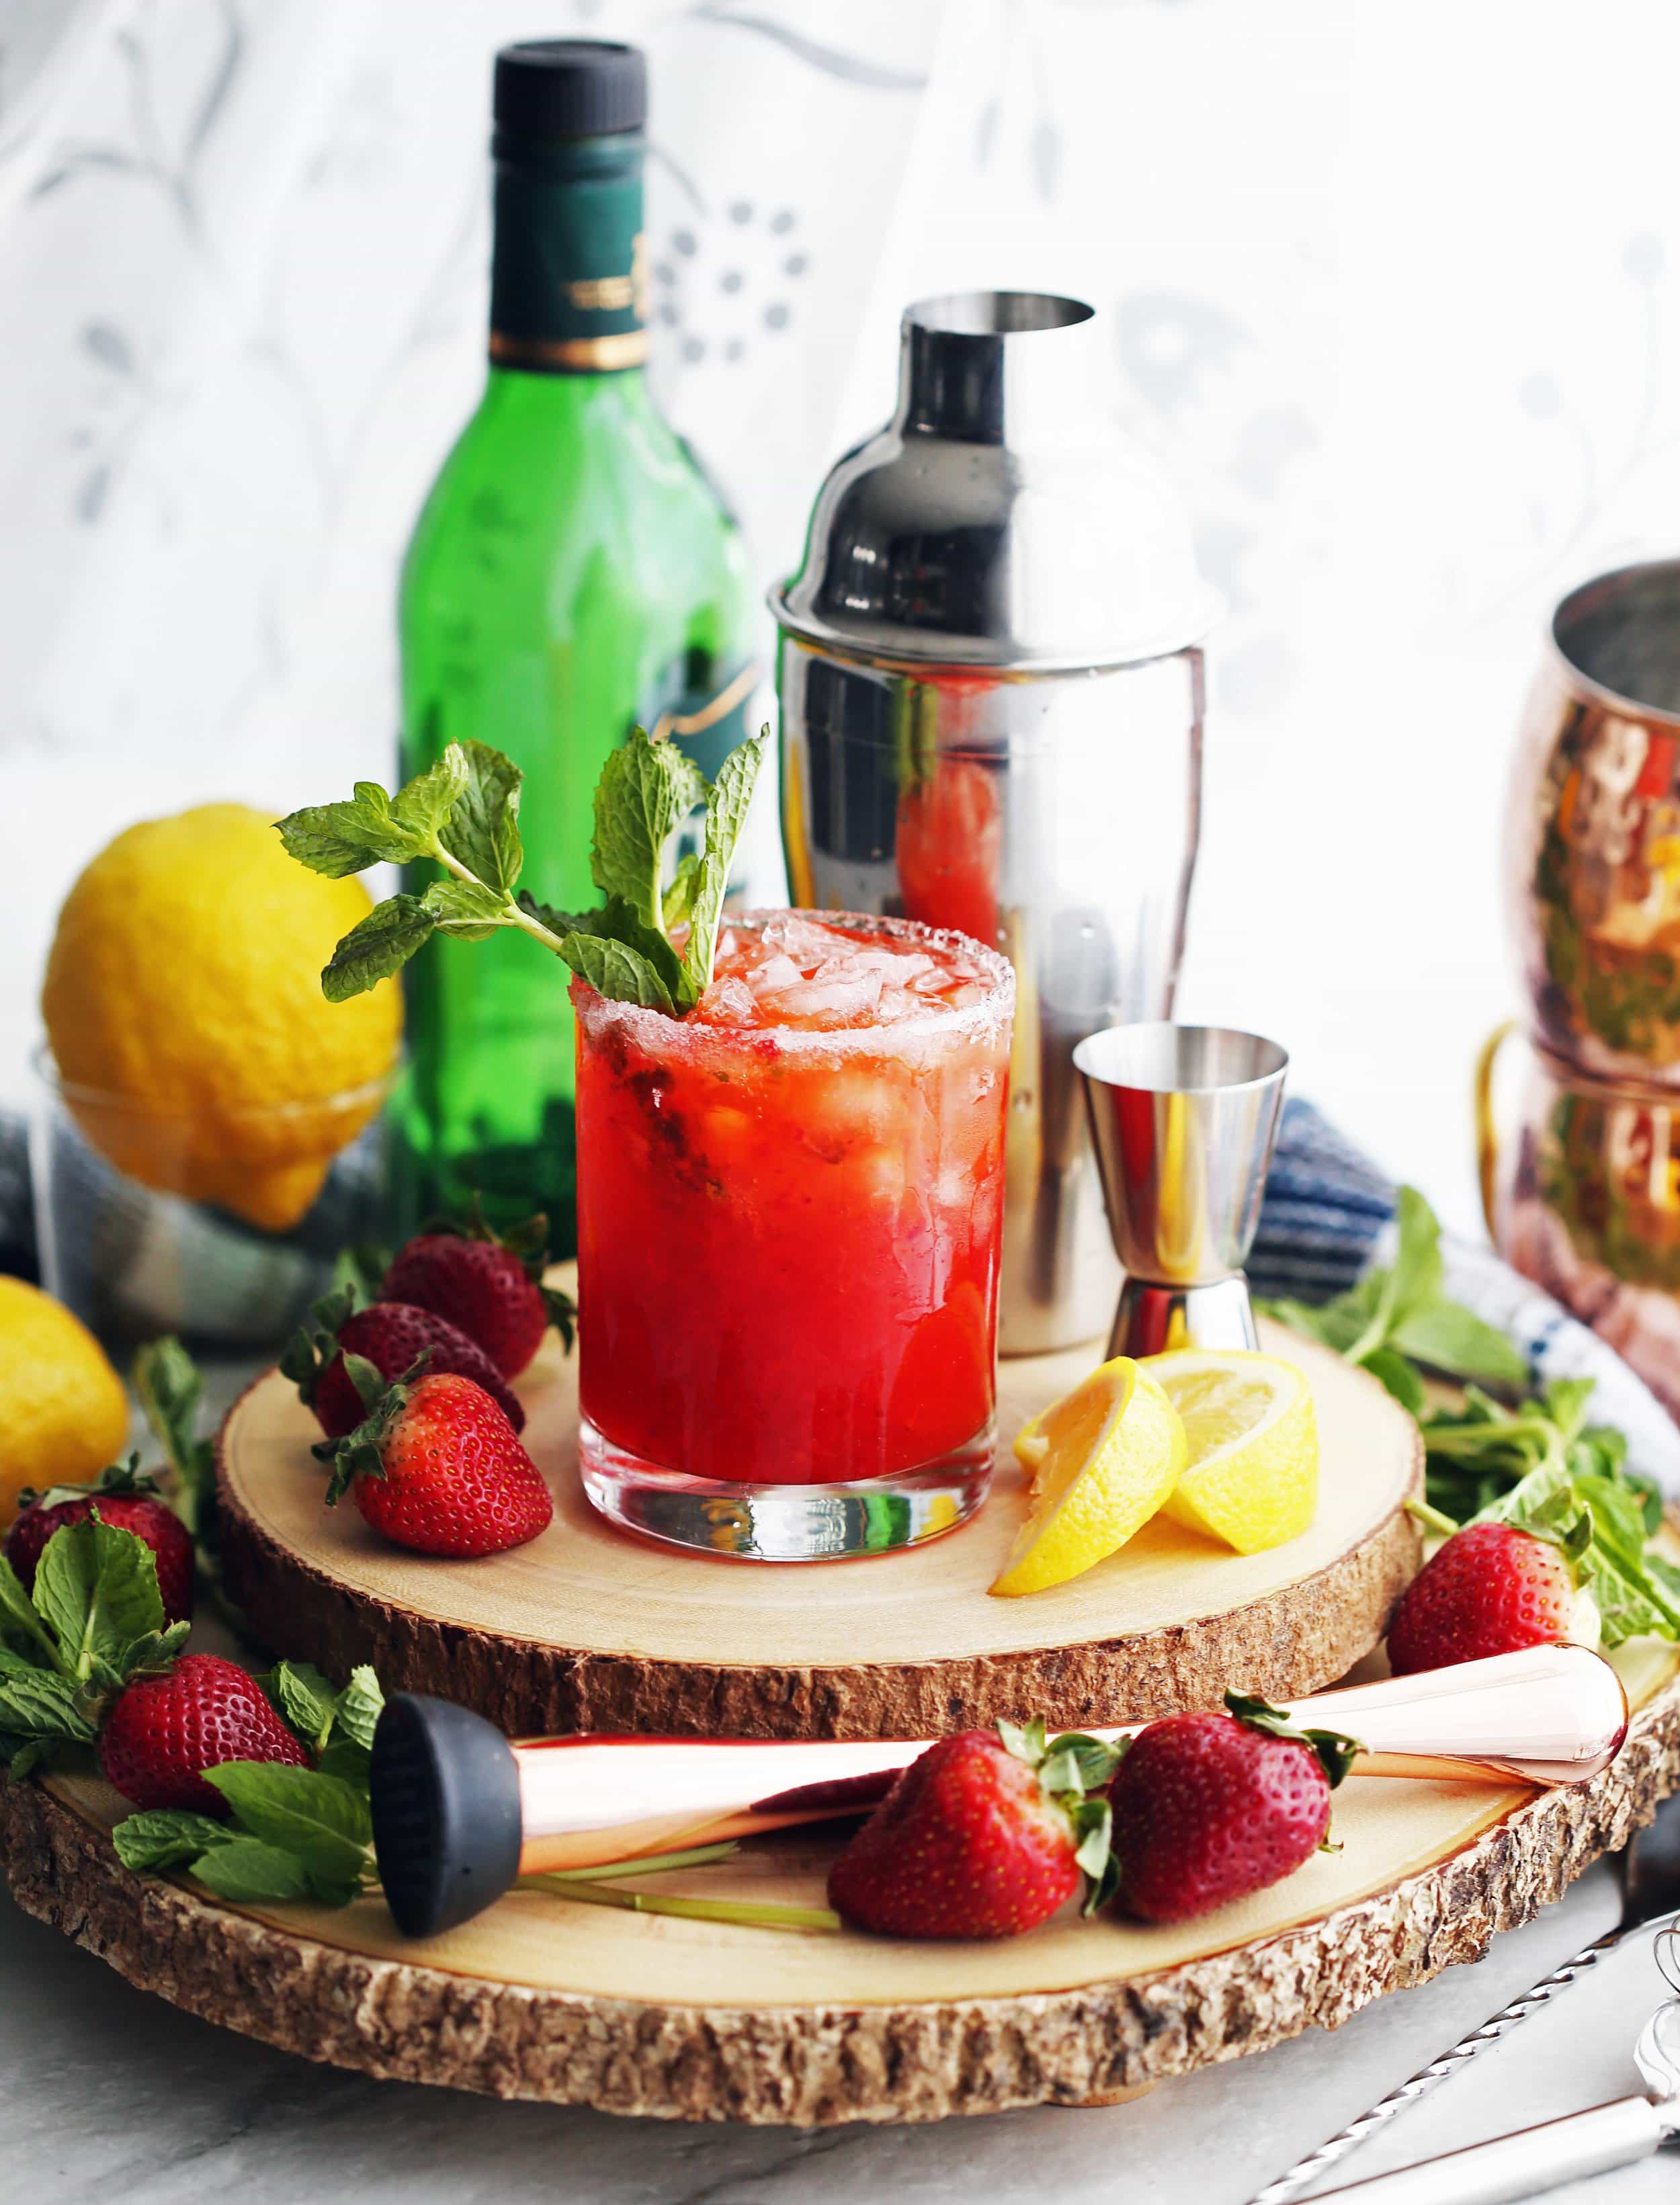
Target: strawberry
[1489,1590]
[391,1336]
[435,1465]
[124,1498]
[983,1835]
[1208,1808]
[489,1285]
[162,1733]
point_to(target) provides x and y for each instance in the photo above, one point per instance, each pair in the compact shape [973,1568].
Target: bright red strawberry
[437,1467]
[392,1336]
[967,1844]
[124,1498]
[1489,1590]
[1209,1808]
[490,1286]
[162,1732]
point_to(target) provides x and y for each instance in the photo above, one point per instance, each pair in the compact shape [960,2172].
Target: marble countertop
[107,2093]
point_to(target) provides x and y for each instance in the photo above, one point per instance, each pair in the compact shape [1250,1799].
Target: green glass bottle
[573,574]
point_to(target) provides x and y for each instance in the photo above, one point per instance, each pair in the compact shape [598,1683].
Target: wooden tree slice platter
[591,1628]
[543,1998]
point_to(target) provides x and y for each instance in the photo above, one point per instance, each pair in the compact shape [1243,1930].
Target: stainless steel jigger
[1183,1119]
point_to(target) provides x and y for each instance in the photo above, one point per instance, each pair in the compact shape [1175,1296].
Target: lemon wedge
[1113,1452]
[1251,1480]
[1030,1446]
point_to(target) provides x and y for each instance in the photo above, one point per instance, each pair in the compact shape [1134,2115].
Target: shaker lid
[1001,518]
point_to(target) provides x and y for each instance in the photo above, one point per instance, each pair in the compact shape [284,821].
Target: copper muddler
[459,1812]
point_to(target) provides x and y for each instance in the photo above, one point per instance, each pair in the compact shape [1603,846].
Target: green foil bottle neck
[568,270]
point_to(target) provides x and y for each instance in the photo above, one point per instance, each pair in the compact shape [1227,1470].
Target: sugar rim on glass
[657,1032]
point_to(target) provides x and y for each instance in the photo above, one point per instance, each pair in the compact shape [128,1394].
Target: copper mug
[1589,1204]
[1593,876]
[1582,1193]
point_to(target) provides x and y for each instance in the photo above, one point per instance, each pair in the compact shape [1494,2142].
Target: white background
[1393,289]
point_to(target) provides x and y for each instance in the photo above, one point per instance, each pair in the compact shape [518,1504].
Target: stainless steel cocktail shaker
[991,691]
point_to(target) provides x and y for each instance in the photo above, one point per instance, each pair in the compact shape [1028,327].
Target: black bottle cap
[445,1793]
[570,88]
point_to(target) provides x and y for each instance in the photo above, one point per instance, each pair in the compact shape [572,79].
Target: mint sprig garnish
[462,814]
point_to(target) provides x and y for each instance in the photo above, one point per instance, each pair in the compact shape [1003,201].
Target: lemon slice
[1113,1452]
[1251,1481]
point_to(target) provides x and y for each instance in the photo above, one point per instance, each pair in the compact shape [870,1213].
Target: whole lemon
[183,1003]
[63,1414]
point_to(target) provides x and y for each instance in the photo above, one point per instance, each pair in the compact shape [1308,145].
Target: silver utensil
[1543,2158]
[1648,1870]
[1183,1119]
[458,1811]
[990,679]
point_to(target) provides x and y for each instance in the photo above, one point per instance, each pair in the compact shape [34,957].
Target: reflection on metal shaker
[991,710]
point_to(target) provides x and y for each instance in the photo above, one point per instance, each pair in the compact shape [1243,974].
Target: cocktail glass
[789,1205]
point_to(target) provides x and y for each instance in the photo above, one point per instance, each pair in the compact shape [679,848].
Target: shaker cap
[570,88]
[1001,519]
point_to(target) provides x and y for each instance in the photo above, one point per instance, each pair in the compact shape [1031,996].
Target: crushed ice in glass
[795,972]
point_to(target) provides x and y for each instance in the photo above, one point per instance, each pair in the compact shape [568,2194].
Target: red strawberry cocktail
[789,1204]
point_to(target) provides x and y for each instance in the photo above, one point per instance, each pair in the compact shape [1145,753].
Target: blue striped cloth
[1326,1206]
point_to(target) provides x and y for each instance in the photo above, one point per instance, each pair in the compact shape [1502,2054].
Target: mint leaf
[305,1698]
[645,791]
[245,1870]
[726,816]
[170,1390]
[359,1706]
[483,829]
[321,1820]
[381,944]
[18,1618]
[1412,1280]
[678,898]
[1335,1324]
[34,1703]
[336,838]
[615,970]
[1449,1337]
[465,910]
[1400,1378]
[164,1837]
[154,1652]
[96,1588]
[421,807]
[558,922]
[617,922]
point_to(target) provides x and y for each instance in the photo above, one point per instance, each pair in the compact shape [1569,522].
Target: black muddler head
[445,1791]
